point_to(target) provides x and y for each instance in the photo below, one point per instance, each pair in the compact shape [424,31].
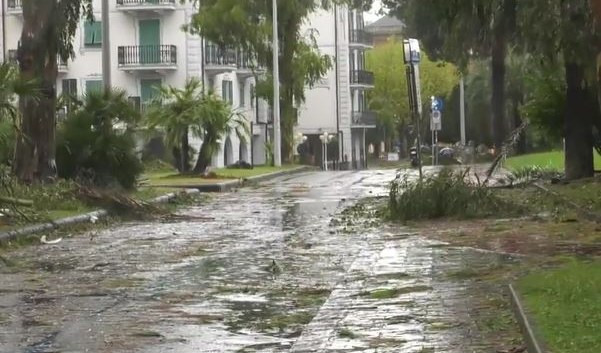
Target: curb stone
[80,219]
[230,185]
[533,344]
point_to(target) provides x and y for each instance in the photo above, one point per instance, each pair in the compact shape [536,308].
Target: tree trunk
[35,147]
[517,122]
[499,49]
[577,125]
[177,158]
[205,154]
[185,157]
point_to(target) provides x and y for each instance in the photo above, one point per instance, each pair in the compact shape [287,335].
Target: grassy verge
[553,160]
[172,178]
[60,200]
[565,305]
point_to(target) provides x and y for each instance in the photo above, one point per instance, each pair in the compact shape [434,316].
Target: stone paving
[265,270]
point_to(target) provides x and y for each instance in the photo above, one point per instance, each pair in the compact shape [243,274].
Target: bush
[96,143]
[447,194]
[7,141]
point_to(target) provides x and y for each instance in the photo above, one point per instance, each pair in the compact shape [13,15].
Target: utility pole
[462,110]
[277,139]
[106,47]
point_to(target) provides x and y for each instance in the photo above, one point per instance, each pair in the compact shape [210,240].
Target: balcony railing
[220,56]
[147,55]
[142,2]
[14,5]
[364,118]
[362,77]
[359,36]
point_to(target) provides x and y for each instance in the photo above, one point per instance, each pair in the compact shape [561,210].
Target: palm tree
[12,86]
[96,141]
[175,110]
[179,112]
[217,120]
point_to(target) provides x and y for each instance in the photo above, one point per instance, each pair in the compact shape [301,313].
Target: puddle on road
[263,271]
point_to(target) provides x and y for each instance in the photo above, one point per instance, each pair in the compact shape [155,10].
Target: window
[70,87]
[252,95]
[93,86]
[242,96]
[227,91]
[92,34]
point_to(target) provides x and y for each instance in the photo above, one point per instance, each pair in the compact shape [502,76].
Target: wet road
[272,268]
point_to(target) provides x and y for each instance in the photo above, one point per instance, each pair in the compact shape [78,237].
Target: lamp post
[277,142]
[325,139]
[106,47]
[412,58]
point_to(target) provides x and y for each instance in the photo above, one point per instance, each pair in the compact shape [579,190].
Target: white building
[149,48]
[337,105]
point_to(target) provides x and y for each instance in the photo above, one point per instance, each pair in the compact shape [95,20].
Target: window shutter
[88,32]
[136,102]
[98,33]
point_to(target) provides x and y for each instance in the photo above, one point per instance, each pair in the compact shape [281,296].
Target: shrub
[96,142]
[447,194]
[7,141]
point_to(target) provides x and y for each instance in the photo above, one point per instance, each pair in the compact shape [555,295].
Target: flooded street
[269,268]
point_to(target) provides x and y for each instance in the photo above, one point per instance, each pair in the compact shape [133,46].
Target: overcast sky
[373,14]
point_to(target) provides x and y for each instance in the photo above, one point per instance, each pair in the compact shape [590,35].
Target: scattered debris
[44,240]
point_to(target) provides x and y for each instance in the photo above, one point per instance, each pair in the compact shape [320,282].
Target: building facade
[149,48]
[338,103]
[385,28]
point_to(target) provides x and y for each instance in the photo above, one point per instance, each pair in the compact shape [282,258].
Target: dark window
[70,87]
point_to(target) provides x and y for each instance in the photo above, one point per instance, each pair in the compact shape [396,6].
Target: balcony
[362,78]
[144,58]
[364,119]
[219,60]
[360,38]
[14,7]
[145,7]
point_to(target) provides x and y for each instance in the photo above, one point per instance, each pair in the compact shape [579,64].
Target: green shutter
[149,89]
[93,86]
[150,40]
[92,34]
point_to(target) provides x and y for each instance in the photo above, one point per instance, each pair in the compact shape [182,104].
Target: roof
[386,25]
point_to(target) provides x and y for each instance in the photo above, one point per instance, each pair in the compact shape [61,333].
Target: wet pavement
[270,268]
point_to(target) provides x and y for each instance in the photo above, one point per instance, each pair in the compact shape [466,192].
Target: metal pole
[325,154]
[277,144]
[433,155]
[462,110]
[418,113]
[106,47]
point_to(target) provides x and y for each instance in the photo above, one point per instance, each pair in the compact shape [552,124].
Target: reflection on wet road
[267,271]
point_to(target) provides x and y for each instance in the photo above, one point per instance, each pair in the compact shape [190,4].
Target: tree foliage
[389,97]
[96,142]
[48,31]
[247,24]
[179,112]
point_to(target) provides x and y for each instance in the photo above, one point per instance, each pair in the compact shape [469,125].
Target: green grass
[553,160]
[565,305]
[172,178]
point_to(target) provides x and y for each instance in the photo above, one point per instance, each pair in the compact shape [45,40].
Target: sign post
[436,126]
[412,58]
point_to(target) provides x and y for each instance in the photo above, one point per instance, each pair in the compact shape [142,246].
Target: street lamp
[277,143]
[325,139]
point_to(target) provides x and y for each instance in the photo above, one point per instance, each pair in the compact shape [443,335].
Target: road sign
[437,104]
[436,121]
